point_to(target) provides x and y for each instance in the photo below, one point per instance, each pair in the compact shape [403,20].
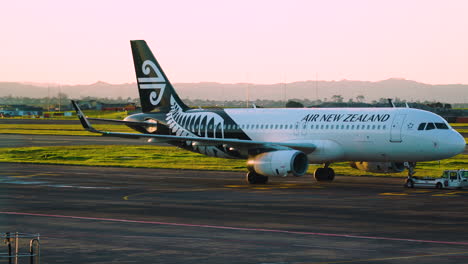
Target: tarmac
[134,215]
[130,215]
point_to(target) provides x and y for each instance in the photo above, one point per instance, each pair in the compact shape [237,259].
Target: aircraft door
[395,132]
[304,128]
[297,126]
[300,128]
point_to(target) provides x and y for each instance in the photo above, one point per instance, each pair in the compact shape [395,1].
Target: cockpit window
[430,126]
[441,126]
[422,126]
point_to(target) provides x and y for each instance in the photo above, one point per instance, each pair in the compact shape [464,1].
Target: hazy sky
[255,41]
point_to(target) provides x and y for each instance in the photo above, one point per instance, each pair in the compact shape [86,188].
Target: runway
[120,215]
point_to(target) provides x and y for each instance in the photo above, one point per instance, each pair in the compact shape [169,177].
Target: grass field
[174,158]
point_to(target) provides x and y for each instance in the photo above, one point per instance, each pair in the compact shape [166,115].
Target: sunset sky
[81,42]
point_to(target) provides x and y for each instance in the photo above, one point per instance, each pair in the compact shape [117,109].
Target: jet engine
[152,129]
[279,163]
[379,167]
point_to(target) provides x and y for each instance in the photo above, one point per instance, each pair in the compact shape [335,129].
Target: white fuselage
[353,134]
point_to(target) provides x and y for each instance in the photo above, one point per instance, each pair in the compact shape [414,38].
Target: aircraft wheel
[324,174]
[255,178]
[331,174]
[409,183]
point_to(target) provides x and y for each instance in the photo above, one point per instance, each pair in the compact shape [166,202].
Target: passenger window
[342,126]
[430,126]
[261,126]
[357,126]
[422,126]
[441,126]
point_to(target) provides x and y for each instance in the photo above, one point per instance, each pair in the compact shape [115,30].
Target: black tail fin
[156,92]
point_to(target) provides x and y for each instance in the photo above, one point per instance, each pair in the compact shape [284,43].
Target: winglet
[84,122]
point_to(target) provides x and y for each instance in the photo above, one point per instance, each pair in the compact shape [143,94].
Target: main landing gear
[410,166]
[255,178]
[324,174]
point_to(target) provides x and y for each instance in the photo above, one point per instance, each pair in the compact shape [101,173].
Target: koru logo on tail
[152,83]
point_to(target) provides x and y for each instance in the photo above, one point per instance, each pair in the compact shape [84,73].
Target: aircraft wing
[123,122]
[306,147]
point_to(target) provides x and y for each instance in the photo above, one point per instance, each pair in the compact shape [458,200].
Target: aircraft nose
[457,143]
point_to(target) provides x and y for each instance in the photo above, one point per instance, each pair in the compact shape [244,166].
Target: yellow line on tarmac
[393,194]
[272,187]
[35,175]
[421,191]
[446,195]
[393,258]
[126,198]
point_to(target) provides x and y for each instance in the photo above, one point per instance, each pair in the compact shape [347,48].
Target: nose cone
[455,143]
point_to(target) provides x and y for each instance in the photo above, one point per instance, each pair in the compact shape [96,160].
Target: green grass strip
[175,158]
[60,129]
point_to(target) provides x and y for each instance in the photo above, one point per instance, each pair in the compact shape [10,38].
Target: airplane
[284,141]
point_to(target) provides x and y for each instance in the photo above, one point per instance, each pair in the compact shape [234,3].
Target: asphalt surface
[120,215]
[19,140]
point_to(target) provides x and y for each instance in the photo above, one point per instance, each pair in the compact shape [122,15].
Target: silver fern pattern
[197,124]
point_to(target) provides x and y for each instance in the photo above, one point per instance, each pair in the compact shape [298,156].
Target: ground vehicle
[450,179]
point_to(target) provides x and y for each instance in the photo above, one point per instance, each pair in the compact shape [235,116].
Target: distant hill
[391,88]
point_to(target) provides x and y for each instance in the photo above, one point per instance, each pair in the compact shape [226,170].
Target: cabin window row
[303,127]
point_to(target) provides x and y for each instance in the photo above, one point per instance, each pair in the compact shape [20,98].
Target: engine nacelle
[152,129]
[279,163]
[379,167]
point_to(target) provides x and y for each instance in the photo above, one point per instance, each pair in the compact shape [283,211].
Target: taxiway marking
[280,231]
[394,194]
[393,258]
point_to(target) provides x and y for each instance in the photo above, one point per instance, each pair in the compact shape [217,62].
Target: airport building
[19,110]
